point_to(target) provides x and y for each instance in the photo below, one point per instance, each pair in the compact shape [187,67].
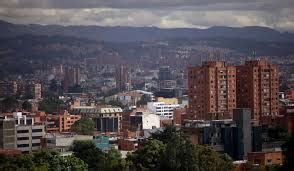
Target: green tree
[288,150]
[116,103]
[144,100]
[43,160]
[26,106]
[86,151]
[25,161]
[84,126]
[168,134]
[50,104]
[149,157]
[9,104]
[114,161]
[180,154]
[75,89]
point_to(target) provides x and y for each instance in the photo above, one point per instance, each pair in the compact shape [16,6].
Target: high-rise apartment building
[35,90]
[72,76]
[212,90]
[8,88]
[7,133]
[122,77]
[257,88]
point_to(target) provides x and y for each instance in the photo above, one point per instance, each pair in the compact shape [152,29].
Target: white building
[145,120]
[162,109]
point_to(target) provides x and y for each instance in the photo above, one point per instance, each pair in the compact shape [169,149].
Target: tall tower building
[72,76]
[212,90]
[257,88]
[121,77]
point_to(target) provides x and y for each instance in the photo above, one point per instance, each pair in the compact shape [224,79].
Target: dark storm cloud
[161,13]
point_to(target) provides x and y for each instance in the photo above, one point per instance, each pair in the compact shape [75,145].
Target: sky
[277,14]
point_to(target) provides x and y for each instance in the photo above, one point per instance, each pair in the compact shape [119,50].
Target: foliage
[170,150]
[288,150]
[116,103]
[276,134]
[43,160]
[114,161]
[86,151]
[144,100]
[50,104]
[9,104]
[75,89]
[26,106]
[53,86]
[148,158]
[84,126]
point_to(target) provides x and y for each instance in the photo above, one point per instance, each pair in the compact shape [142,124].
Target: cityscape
[146,91]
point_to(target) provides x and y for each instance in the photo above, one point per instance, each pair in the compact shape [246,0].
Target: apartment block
[212,90]
[29,137]
[257,88]
[8,88]
[7,133]
[61,122]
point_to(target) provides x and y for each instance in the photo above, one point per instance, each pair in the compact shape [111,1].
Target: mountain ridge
[133,34]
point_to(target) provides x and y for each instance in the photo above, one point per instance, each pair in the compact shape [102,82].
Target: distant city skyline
[159,13]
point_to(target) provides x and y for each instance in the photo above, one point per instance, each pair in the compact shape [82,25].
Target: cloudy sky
[278,14]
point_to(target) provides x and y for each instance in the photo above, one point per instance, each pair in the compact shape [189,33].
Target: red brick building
[212,90]
[266,158]
[257,88]
[289,94]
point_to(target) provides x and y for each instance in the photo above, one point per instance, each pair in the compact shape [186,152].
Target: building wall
[168,100]
[266,158]
[242,117]
[28,137]
[126,145]
[8,88]
[7,134]
[212,89]
[258,84]
[162,109]
[66,121]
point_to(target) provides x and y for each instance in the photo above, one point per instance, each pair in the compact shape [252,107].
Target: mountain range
[132,34]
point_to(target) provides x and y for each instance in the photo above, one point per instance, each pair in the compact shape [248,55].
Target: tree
[116,103]
[26,106]
[50,104]
[168,134]
[86,151]
[9,104]
[43,160]
[84,126]
[144,100]
[180,154]
[53,86]
[114,161]
[288,150]
[75,89]
[149,157]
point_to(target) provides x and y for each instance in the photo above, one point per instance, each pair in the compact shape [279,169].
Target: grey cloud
[161,13]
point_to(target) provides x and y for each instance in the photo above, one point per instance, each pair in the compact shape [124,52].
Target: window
[37,130]
[35,144]
[23,145]
[23,131]
[22,138]
[36,137]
